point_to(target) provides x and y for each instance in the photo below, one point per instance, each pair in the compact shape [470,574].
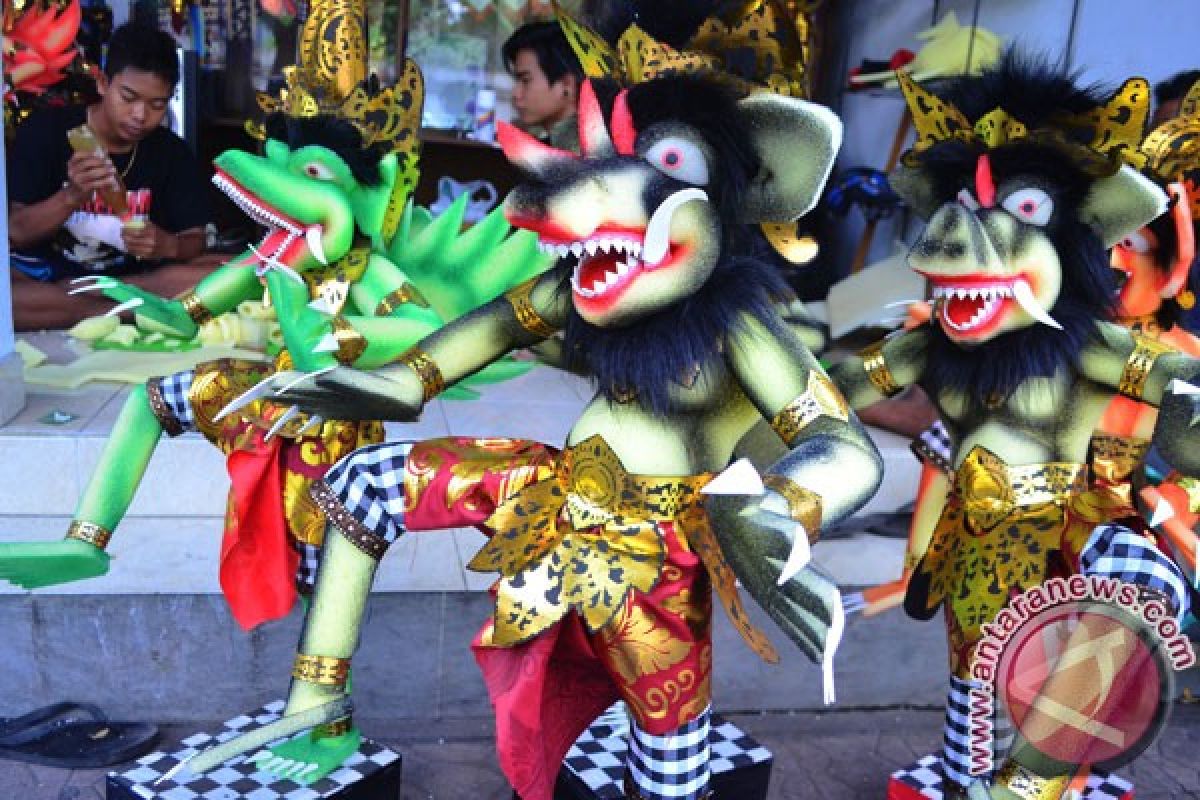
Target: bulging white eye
[318,171]
[680,159]
[1135,243]
[965,198]
[1030,205]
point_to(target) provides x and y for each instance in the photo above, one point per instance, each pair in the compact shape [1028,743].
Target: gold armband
[350,342]
[877,370]
[194,308]
[161,410]
[321,670]
[527,316]
[407,293]
[427,370]
[333,729]
[804,506]
[820,399]
[89,532]
[1137,368]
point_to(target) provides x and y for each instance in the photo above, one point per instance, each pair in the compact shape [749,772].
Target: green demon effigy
[608,548]
[356,276]
[1026,180]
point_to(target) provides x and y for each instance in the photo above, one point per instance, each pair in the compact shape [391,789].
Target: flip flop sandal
[13,725]
[77,743]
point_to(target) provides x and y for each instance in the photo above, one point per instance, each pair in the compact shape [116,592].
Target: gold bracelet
[820,399]
[1028,785]
[350,342]
[877,370]
[321,670]
[1137,369]
[427,370]
[407,293]
[804,505]
[89,532]
[194,308]
[333,729]
[520,297]
[162,412]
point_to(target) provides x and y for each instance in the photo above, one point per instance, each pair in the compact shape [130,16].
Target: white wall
[1107,40]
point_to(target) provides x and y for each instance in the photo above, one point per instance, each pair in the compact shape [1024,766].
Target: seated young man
[60,226]
[546,79]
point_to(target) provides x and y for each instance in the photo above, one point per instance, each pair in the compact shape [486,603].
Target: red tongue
[271,244]
[961,310]
[592,268]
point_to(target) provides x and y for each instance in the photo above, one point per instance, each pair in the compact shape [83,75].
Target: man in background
[60,224]
[546,80]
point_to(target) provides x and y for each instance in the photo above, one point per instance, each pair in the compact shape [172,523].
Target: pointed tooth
[636,249]
[577,249]
[623,268]
[610,278]
[591,245]
[974,294]
[598,287]
[798,558]
[657,241]
[564,250]
[1024,296]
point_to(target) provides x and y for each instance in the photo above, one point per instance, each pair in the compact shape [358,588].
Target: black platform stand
[373,773]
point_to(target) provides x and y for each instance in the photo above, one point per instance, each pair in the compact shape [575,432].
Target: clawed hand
[166,316]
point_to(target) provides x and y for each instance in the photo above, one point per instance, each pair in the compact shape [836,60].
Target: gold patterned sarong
[1004,530]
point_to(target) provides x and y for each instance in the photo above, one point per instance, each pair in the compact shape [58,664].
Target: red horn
[623,132]
[593,136]
[527,152]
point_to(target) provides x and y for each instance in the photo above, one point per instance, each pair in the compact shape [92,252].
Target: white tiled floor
[170,539]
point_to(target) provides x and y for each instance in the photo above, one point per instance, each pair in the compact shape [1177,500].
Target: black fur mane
[333,133]
[663,348]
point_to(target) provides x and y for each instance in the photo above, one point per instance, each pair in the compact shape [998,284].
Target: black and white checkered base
[373,773]
[595,765]
[923,781]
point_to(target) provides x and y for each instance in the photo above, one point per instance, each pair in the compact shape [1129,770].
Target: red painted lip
[971,280]
[603,303]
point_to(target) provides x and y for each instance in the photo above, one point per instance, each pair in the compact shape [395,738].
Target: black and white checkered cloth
[306,570]
[924,780]
[598,757]
[1116,551]
[935,447]
[956,734]
[672,766]
[370,484]
[239,778]
[175,390]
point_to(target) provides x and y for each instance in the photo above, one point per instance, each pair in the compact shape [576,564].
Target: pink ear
[593,136]
[623,132]
[527,152]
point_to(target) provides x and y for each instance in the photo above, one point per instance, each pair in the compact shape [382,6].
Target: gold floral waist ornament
[580,540]
[989,490]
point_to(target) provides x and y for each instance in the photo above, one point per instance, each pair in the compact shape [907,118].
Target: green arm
[1176,433]
[905,359]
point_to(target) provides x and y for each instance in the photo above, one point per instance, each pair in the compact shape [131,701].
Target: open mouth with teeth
[609,261]
[970,306]
[286,238]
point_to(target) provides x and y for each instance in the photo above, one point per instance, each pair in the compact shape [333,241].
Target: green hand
[153,314]
[32,565]
[757,543]
[309,757]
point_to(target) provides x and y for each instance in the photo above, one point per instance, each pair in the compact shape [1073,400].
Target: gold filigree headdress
[330,77]
[1097,140]
[1172,149]
[759,45]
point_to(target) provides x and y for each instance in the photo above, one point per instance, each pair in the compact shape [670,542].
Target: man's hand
[88,173]
[147,240]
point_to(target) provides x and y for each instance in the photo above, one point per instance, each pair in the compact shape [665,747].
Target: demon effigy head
[1026,179]
[1153,264]
[650,217]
